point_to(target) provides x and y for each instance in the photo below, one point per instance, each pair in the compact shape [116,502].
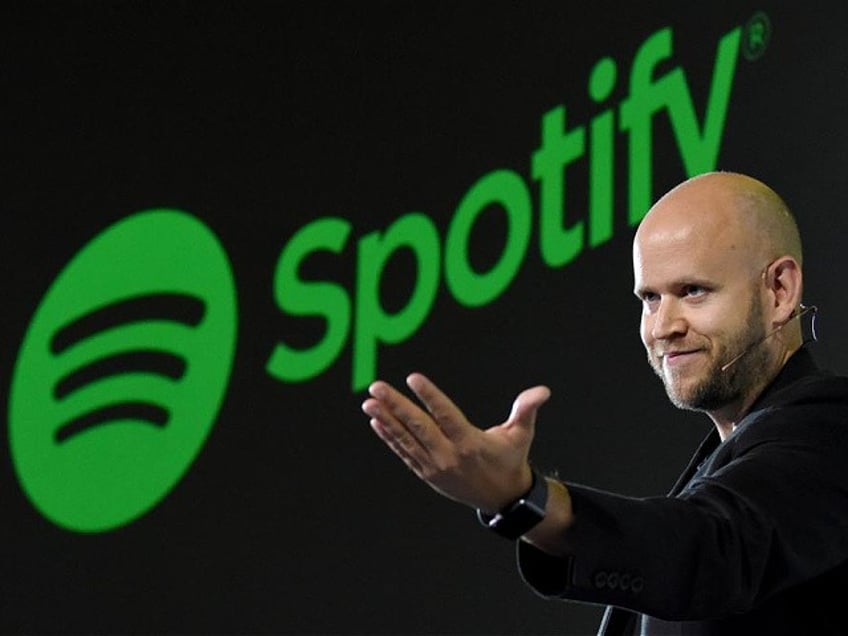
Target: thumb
[526,406]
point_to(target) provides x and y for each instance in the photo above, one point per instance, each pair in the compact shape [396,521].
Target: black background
[259,117]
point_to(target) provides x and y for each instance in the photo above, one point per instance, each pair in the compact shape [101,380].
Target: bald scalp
[746,210]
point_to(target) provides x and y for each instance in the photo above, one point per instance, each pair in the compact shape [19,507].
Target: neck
[727,417]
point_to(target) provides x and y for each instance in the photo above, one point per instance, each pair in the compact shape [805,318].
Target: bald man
[753,539]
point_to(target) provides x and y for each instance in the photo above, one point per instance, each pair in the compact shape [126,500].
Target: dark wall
[260,118]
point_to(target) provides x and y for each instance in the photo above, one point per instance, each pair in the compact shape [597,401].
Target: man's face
[701,308]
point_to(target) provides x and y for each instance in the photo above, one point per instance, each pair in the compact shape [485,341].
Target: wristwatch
[521,515]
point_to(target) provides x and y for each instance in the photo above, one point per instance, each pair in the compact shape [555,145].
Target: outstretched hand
[485,469]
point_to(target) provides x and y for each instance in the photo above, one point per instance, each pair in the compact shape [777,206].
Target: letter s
[300,298]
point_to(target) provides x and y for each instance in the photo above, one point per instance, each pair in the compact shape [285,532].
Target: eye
[694,291]
[649,298]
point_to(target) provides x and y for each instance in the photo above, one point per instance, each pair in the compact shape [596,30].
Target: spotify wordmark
[126,362]
[123,370]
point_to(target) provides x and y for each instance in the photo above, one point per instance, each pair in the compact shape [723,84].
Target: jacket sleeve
[769,511]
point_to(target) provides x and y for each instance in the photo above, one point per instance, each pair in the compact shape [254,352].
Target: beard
[717,388]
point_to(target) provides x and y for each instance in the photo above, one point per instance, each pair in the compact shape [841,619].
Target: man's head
[717,266]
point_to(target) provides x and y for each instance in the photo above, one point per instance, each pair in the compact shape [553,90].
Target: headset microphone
[802,310]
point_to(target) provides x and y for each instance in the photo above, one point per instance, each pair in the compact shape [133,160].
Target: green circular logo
[123,370]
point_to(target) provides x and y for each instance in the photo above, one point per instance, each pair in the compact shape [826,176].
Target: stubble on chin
[715,387]
[694,394]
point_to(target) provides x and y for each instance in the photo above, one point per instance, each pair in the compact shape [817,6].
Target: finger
[394,430]
[401,443]
[448,416]
[388,438]
[402,415]
[526,406]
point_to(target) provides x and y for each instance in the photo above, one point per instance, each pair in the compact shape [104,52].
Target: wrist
[550,534]
[521,515]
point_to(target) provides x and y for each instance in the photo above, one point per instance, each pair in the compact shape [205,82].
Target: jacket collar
[800,365]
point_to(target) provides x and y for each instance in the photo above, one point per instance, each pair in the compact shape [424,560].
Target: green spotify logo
[123,370]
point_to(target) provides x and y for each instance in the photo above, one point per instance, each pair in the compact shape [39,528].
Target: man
[753,539]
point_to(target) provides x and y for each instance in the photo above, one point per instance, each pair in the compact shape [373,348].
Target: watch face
[521,518]
[524,514]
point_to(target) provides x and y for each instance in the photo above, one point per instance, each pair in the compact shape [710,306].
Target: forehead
[679,248]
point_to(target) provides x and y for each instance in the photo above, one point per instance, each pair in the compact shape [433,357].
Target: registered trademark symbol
[757,35]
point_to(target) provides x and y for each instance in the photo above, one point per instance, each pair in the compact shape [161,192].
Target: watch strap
[520,516]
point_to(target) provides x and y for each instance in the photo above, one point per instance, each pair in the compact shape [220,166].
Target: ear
[784,282]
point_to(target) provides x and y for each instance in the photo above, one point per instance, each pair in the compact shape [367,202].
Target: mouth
[675,358]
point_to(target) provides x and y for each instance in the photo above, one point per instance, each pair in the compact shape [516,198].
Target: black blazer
[753,538]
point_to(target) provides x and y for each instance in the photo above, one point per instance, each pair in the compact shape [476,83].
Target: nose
[667,321]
